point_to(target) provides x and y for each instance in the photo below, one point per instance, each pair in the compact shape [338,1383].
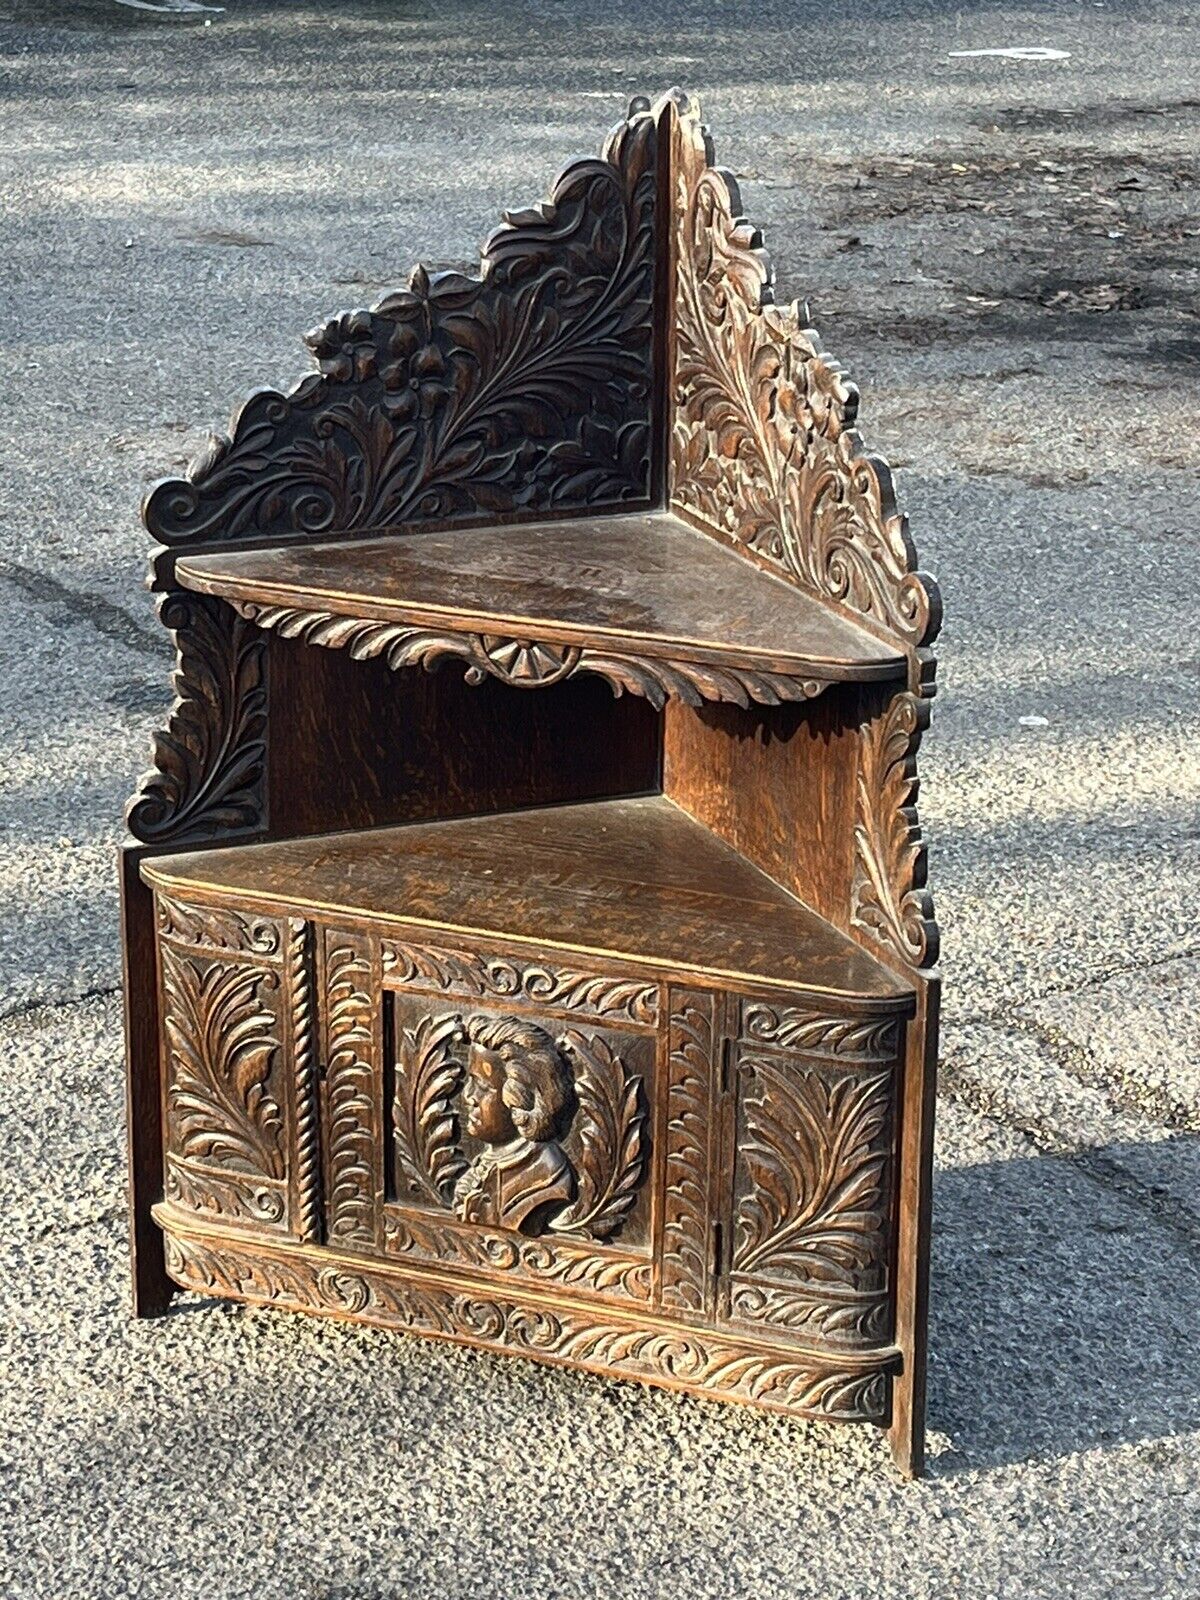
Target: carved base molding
[724,1367]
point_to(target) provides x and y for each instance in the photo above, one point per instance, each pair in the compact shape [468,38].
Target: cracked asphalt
[1005,255]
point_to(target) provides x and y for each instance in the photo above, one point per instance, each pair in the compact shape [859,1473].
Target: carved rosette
[723,1364]
[814,1173]
[763,448]
[529,663]
[209,773]
[526,389]
[438,971]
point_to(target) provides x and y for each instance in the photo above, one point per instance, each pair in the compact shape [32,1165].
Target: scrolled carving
[763,447]
[719,1364]
[890,901]
[468,973]
[222,1045]
[209,769]
[225,1196]
[528,663]
[525,389]
[216,927]
[860,1038]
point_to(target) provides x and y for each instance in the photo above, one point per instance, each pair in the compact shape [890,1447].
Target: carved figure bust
[519,1097]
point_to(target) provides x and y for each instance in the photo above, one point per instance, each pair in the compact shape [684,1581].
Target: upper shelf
[643,599]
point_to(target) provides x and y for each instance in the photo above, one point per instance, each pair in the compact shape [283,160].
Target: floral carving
[528,388]
[459,972]
[222,1047]
[528,664]
[209,767]
[849,1389]
[890,901]
[429,1073]
[813,1211]
[763,449]
[353,1113]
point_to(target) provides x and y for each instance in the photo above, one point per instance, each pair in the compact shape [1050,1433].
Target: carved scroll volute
[209,772]
[763,451]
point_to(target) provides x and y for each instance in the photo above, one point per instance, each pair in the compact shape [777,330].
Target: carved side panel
[763,449]
[719,1364]
[353,1087]
[814,1175]
[209,772]
[687,1277]
[527,389]
[226,1090]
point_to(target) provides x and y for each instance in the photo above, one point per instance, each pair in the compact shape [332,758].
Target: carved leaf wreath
[608,1138]
[428,1077]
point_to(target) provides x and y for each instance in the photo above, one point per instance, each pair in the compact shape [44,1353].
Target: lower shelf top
[629,878]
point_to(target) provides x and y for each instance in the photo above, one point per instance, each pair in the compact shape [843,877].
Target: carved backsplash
[529,388]
[763,450]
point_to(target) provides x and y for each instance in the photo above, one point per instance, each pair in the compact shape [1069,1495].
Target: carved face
[488,1118]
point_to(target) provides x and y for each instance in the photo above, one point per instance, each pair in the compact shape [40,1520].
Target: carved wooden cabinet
[575,995]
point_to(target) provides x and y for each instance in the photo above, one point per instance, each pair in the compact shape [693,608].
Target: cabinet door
[814,1161]
[238,1068]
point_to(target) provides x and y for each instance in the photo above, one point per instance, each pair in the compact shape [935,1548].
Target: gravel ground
[1006,254]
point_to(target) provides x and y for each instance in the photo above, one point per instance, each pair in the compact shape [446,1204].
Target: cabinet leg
[907,1431]
[152,1289]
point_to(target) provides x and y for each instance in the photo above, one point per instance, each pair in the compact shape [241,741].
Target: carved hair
[538,1085]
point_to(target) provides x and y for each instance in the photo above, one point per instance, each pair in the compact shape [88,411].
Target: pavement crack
[113,621]
[29,1008]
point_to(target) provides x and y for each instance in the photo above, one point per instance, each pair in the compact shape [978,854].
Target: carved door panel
[517,1120]
[814,1101]
[238,1068]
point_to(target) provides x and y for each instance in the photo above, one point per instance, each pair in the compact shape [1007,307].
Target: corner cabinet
[573,996]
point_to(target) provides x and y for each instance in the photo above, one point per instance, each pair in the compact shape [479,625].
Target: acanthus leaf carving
[890,901]
[528,388]
[223,1043]
[763,450]
[717,1363]
[789,1027]
[609,1138]
[216,927]
[686,1185]
[429,1076]
[209,772]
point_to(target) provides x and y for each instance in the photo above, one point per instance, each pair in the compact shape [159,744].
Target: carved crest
[763,448]
[507,1126]
[528,388]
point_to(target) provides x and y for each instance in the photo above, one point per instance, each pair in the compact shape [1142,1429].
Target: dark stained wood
[574,997]
[632,586]
[635,878]
[354,745]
